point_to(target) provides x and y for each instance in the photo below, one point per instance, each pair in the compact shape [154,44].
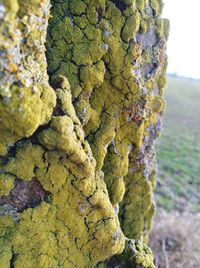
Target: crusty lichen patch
[119,103]
[26,99]
[6,184]
[136,254]
[76,225]
[80,154]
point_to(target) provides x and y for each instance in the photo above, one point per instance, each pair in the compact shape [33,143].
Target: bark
[77,130]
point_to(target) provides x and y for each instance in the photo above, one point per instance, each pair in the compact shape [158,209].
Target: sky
[184,40]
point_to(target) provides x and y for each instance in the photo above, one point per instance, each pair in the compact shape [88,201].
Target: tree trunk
[77,160]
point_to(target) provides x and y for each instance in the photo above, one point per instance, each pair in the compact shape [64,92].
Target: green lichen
[79,209]
[129,32]
[121,111]
[157,6]
[143,254]
[135,254]
[29,154]
[6,226]
[87,143]
[6,184]
[27,100]
[11,7]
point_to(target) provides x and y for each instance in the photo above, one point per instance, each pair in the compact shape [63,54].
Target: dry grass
[175,240]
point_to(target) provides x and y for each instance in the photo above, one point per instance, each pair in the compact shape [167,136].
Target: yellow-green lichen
[136,254]
[88,150]
[6,183]
[27,100]
[157,6]
[119,110]
[29,154]
[131,27]
[78,210]
[6,228]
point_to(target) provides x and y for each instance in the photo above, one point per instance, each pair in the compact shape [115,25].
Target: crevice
[119,4]
[12,261]
[58,109]
[12,151]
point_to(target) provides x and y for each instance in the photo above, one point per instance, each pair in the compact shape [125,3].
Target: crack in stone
[119,4]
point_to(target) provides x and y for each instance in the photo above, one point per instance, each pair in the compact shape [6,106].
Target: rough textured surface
[113,56]
[27,100]
[135,255]
[77,165]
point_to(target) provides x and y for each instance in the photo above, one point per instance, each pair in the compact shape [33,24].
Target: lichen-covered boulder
[113,53]
[77,131]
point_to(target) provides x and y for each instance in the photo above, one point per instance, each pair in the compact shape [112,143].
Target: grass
[178,149]
[175,238]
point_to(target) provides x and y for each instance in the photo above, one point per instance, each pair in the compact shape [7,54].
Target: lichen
[118,110]
[78,208]
[77,165]
[136,254]
[27,100]
[6,184]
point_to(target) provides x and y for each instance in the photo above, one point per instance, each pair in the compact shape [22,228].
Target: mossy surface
[78,163]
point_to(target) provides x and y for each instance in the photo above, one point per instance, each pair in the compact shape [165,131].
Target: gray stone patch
[148,39]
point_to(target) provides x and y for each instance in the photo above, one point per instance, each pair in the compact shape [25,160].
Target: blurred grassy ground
[178,149]
[175,238]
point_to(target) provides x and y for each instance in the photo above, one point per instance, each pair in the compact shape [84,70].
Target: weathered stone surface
[77,165]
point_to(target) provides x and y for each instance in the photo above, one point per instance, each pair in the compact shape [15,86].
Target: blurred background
[175,238]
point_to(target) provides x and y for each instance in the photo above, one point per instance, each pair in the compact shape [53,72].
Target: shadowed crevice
[119,4]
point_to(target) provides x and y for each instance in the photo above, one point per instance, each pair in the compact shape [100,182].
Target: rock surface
[81,102]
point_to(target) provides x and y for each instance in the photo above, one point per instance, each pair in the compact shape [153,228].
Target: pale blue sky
[184,40]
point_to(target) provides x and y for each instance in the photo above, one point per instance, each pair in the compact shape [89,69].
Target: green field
[178,149]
